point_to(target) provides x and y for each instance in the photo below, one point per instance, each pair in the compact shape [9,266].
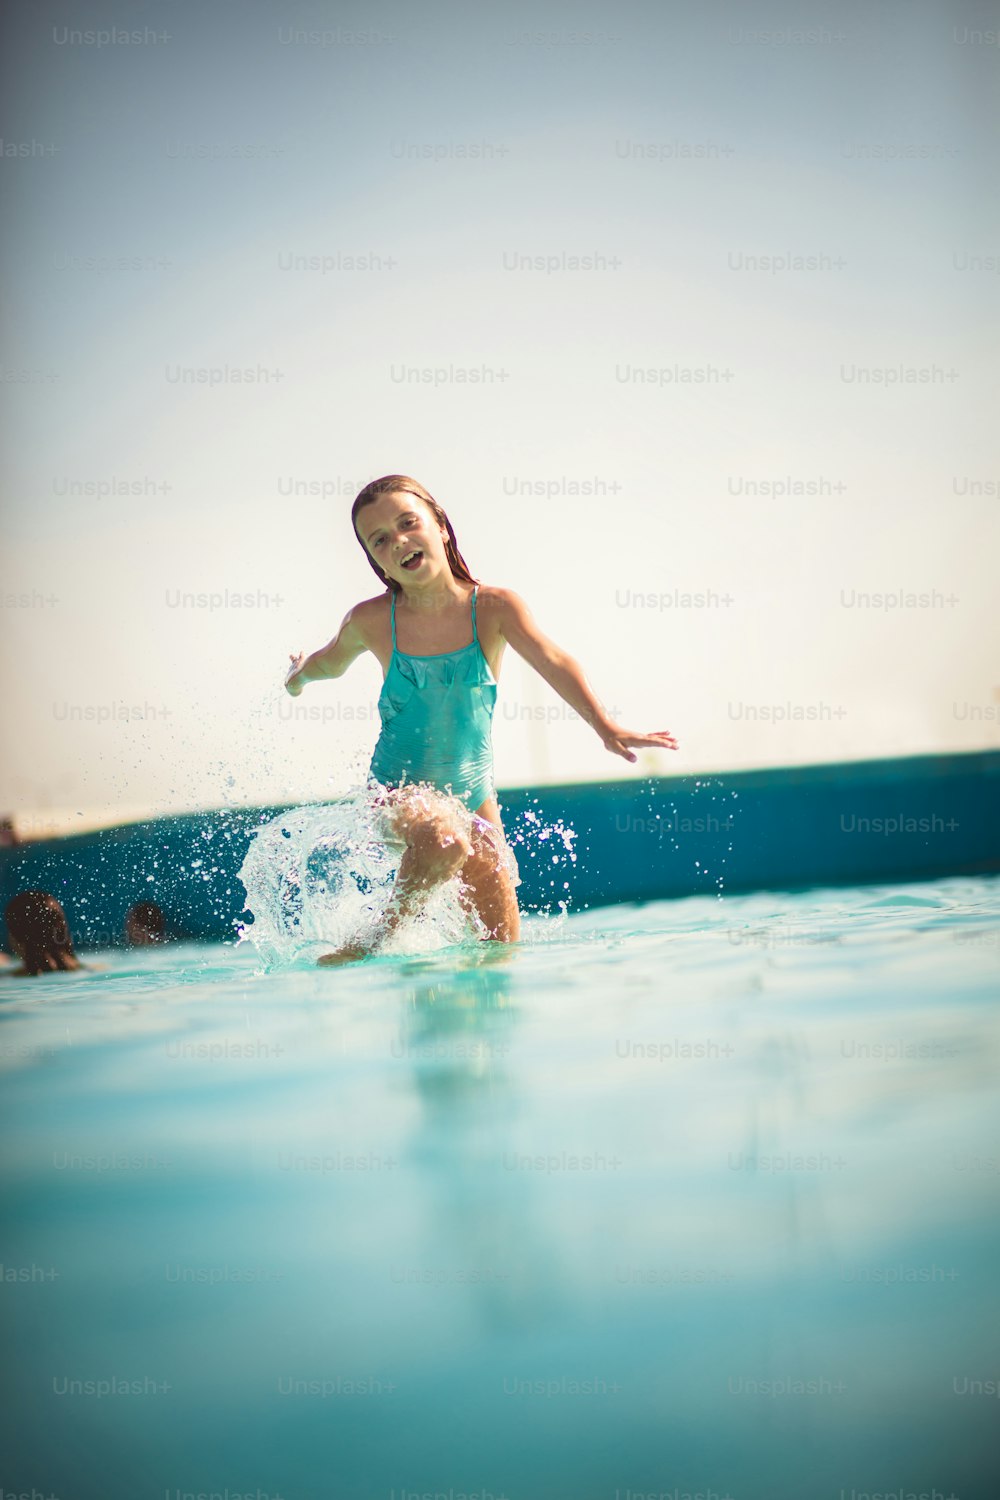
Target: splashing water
[319,877]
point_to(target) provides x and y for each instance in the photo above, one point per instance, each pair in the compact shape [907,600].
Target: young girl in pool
[432,771]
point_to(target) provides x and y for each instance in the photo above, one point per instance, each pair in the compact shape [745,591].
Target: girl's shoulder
[501,613]
[370,609]
[500,603]
[495,597]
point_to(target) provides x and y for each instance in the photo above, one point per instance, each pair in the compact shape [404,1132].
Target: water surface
[695,1196]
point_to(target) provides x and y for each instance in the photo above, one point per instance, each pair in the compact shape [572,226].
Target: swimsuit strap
[475,632]
[394,619]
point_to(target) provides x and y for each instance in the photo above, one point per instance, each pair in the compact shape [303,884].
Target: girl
[432,770]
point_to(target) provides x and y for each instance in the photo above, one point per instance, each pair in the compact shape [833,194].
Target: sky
[685,314]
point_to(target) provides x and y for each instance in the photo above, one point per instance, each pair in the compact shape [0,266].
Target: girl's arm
[565,675]
[331,660]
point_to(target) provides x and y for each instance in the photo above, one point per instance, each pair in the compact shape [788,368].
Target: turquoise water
[698,1196]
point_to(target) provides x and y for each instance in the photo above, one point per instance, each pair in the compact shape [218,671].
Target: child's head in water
[39,933]
[377,514]
[144,923]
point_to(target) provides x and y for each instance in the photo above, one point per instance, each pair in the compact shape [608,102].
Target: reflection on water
[692,1196]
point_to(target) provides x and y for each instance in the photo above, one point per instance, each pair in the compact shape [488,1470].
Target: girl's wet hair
[389,484]
[39,930]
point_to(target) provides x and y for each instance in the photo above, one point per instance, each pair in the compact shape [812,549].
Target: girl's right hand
[292,673]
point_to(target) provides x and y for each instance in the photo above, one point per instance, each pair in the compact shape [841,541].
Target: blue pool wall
[854,823]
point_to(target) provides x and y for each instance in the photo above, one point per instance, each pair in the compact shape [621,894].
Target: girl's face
[403,536]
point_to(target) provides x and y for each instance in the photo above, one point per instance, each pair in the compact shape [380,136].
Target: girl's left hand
[617,740]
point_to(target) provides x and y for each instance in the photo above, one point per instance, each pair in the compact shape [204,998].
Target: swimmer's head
[393,516]
[144,923]
[39,933]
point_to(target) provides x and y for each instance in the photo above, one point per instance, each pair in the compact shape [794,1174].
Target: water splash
[705,826]
[319,877]
[552,845]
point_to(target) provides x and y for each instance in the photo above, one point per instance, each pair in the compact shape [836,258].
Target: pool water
[695,1197]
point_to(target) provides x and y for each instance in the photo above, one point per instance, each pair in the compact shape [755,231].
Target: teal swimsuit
[437,720]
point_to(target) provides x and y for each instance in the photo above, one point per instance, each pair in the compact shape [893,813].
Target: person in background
[145,924]
[39,935]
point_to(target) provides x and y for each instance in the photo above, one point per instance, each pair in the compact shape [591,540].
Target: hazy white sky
[193,201]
